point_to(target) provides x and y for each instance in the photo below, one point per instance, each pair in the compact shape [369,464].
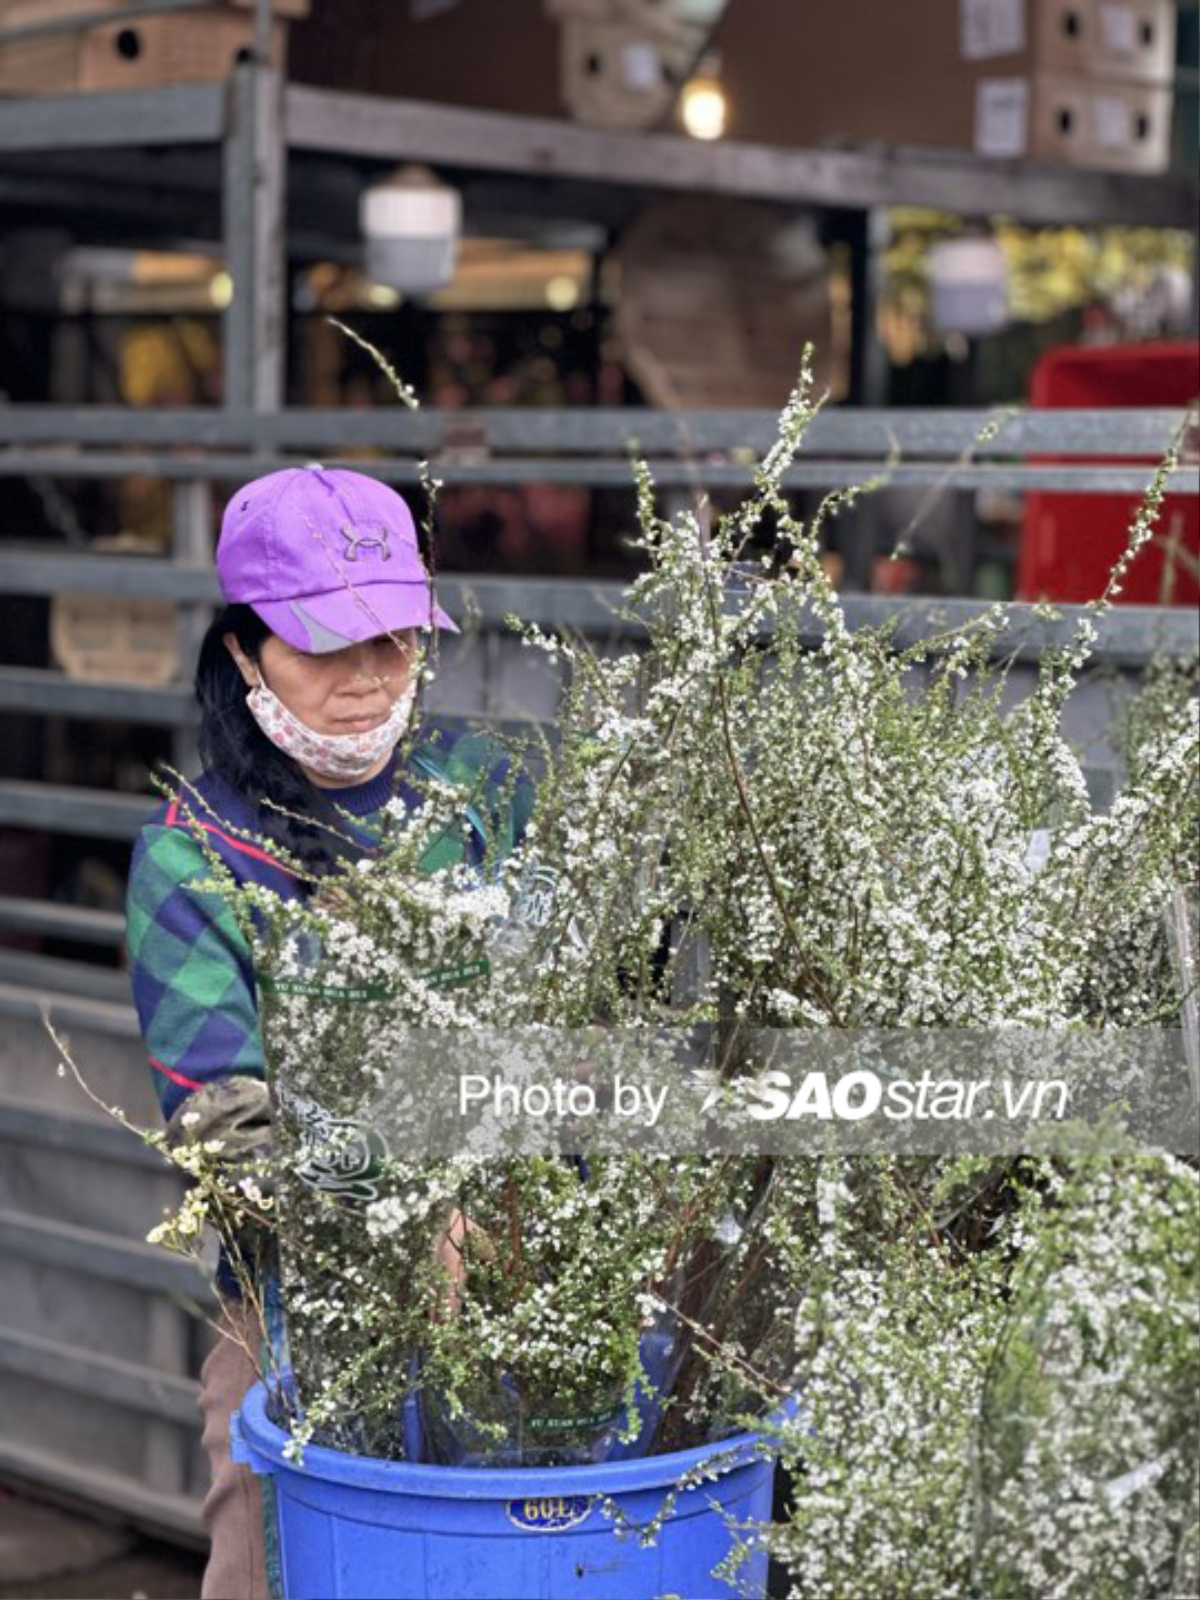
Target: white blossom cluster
[1020,1422]
[759,818]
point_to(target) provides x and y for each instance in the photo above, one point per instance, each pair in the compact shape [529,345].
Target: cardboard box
[181,47]
[1086,122]
[983,75]
[624,61]
[1130,40]
[623,73]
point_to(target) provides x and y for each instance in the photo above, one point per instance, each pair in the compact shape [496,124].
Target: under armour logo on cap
[368,539]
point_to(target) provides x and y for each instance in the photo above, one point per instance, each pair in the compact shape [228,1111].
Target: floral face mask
[346,757]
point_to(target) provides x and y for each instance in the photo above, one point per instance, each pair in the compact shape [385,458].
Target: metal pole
[869,379]
[270,241]
[254,170]
[262,32]
[193,544]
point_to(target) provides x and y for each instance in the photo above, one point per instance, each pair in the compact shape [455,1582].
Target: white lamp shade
[411,226]
[410,211]
[968,286]
[413,266]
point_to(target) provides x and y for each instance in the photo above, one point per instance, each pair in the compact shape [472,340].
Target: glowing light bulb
[562,294]
[703,106]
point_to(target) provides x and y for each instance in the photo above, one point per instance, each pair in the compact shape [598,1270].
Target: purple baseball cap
[327,557]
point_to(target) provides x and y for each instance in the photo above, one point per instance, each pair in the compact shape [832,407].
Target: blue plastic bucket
[351,1528]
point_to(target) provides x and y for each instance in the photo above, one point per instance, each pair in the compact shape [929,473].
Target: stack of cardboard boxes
[1094,89]
[1079,82]
[1082,82]
[84,50]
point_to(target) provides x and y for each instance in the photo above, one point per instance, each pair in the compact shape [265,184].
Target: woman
[306,683]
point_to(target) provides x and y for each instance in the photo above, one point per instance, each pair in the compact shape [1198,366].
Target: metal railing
[941,451]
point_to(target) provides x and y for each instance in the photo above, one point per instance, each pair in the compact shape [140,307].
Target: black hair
[234,747]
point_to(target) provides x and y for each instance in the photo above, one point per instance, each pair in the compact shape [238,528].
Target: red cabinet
[1069,542]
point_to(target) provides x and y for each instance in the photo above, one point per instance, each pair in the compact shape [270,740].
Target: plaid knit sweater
[190,965]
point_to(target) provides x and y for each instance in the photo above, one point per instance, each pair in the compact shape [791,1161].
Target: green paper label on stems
[453,976]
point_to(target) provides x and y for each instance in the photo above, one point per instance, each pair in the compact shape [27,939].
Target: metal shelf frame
[858,179]
[684,451]
[384,130]
[195,449]
[944,432]
[843,446]
[256,118]
[575,447]
[594,474]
